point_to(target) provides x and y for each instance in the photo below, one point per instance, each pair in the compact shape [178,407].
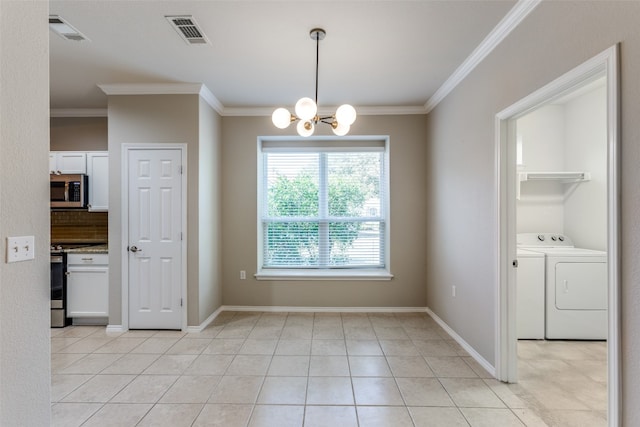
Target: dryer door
[581,285]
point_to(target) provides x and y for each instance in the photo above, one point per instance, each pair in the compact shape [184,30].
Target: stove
[59,289]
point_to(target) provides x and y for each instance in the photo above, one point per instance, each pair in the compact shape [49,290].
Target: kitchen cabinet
[87,285]
[67,162]
[98,173]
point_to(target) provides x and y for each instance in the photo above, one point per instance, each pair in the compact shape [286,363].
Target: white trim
[211,99]
[124,212]
[78,112]
[468,348]
[328,274]
[614,350]
[151,88]
[605,63]
[306,309]
[115,329]
[510,21]
[163,89]
[362,111]
[207,322]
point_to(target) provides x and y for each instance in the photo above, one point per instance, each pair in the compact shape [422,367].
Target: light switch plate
[20,248]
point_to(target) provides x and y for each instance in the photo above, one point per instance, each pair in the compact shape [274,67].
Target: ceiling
[260,55]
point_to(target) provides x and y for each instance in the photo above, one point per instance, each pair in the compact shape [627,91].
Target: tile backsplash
[79,227]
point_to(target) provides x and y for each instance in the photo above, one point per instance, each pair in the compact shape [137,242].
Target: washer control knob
[561,238]
[541,237]
[553,238]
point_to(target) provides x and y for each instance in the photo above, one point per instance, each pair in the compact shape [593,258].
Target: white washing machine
[530,295]
[575,287]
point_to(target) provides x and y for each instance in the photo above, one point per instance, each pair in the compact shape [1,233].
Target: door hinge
[180,302]
[181,170]
[515,263]
[181,236]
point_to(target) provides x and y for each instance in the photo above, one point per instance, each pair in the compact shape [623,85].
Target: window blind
[323,206]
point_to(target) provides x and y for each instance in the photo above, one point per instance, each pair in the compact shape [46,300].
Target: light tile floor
[323,369]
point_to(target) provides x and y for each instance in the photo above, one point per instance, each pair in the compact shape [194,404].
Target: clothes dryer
[576,287]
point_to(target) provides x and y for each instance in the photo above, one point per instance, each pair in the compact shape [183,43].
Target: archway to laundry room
[557,325]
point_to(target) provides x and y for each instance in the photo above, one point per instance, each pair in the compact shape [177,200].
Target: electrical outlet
[20,248]
[453,291]
[243,275]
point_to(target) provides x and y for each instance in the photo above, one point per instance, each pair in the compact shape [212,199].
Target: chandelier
[307,109]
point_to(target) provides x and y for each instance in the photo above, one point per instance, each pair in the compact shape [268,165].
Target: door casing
[603,64]
[124,221]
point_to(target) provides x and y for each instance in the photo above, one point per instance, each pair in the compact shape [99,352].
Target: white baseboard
[296,309]
[472,352]
[115,328]
[207,322]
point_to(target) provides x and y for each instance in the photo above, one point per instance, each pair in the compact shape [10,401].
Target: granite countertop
[96,249]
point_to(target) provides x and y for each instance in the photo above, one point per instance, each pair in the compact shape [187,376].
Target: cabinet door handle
[87,259]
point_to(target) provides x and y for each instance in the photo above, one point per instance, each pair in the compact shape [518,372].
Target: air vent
[188,29]
[65,30]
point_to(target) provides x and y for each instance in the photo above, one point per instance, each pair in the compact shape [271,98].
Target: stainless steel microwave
[69,191]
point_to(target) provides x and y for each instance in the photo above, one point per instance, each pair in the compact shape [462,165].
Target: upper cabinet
[67,162]
[95,164]
[98,173]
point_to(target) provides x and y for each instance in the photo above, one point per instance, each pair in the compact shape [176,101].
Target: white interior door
[155,248]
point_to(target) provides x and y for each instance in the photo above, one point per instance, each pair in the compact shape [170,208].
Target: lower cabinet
[87,285]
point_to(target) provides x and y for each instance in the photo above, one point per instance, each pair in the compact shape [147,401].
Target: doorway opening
[602,69]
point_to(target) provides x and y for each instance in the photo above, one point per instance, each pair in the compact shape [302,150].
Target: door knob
[135,249]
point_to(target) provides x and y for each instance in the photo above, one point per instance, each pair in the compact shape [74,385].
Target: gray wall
[556,37]
[209,226]
[408,211]
[165,119]
[78,133]
[24,210]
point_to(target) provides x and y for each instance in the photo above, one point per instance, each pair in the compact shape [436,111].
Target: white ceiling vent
[65,30]
[188,29]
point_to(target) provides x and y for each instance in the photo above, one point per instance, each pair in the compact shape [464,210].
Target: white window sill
[312,274]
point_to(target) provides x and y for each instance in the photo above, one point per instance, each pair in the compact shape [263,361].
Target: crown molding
[164,89]
[150,88]
[362,111]
[510,21]
[78,112]
[211,99]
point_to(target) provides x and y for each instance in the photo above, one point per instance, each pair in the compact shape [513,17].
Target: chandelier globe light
[306,109]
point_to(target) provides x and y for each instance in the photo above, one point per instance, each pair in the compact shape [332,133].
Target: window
[323,207]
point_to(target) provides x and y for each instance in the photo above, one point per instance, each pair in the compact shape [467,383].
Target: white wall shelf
[562,177]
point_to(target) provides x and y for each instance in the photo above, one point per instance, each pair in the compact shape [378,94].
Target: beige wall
[24,210]
[408,210]
[162,119]
[78,134]
[556,37]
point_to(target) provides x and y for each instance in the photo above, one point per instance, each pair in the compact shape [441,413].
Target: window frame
[348,143]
